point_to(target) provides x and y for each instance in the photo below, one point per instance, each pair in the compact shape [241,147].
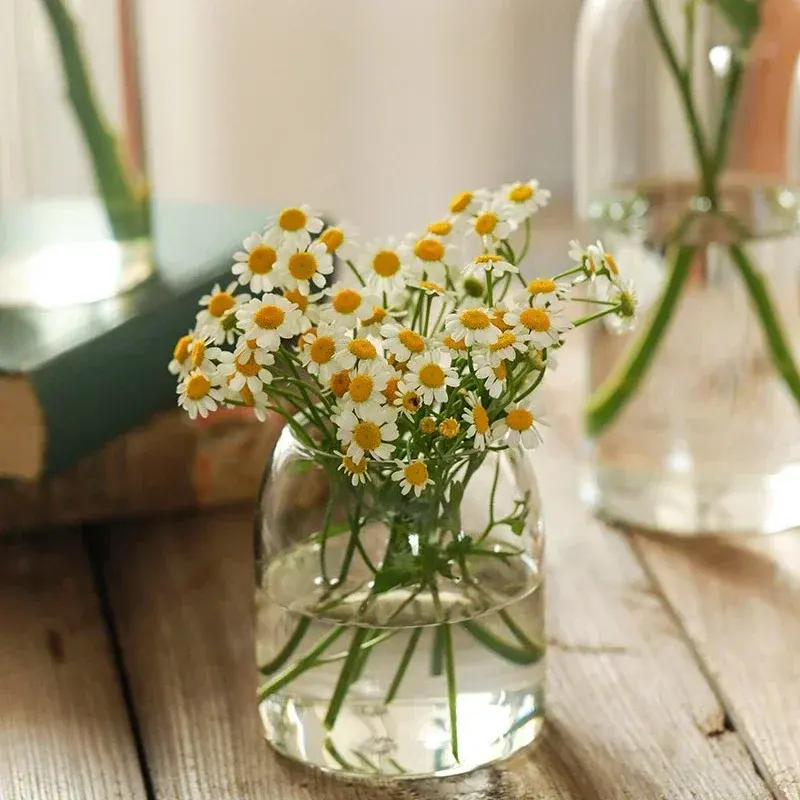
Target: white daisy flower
[540,326]
[303,269]
[426,255]
[367,384]
[441,228]
[494,378]
[402,343]
[431,288]
[498,314]
[355,470]
[547,290]
[181,363]
[252,373]
[476,416]
[254,264]
[198,395]
[269,320]
[213,321]
[382,266]
[494,263]
[505,348]
[519,425]
[542,359]
[258,402]
[318,351]
[429,374]
[473,325]
[412,477]
[590,258]
[466,203]
[623,293]
[525,199]
[293,228]
[339,240]
[308,306]
[371,326]
[248,349]
[492,223]
[373,435]
[351,351]
[349,304]
[456,347]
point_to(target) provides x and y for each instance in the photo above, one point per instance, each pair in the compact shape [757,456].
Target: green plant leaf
[742,15]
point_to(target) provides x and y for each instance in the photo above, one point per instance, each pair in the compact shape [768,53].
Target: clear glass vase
[74,210]
[399,638]
[688,168]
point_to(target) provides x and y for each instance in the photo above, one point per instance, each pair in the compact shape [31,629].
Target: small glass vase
[399,638]
[74,206]
[688,168]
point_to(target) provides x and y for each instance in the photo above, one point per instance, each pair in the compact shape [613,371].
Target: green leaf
[742,15]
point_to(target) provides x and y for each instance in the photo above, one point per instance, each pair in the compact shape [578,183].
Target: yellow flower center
[367,435]
[429,250]
[247,396]
[322,350]
[416,473]
[390,392]
[302,342]
[386,263]
[302,266]
[252,344]
[455,344]
[292,219]
[500,372]
[198,353]
[346,301]
[297,297]
[520,193]
[332,238]
[411,340]
[504,340]
[411,402]
[197,387]
[220,303]
[611,264]
[460,202]
[519,419]
[427,425]
[355,467]
[250,369]
[485,223]
[535,319]
[340,383]
[480,419]
[362,348]
[449,428]
[441,228]
[431,286]
[475,319]
[261,259]
[269,317]
[181,351]
[432,376]
[498,319]
[378,315]
[488,258]
[361,388]
[541,286]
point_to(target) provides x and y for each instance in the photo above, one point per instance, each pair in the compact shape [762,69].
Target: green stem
[527,243]
[408,653]
[612,395]
[355,272]
[288,649]
[346,677]
[452,694]
[726,116]
[510,652]
[437,652]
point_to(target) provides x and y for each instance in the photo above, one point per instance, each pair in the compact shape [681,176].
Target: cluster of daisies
[421,354]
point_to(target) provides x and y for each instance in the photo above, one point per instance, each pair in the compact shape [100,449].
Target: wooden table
[126,664]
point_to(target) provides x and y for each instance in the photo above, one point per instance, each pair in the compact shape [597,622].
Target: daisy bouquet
[424,358]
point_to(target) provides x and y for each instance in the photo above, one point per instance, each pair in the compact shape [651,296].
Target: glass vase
[74,210]
[688,168]
[398,636]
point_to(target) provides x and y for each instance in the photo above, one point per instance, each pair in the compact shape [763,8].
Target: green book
[73,378]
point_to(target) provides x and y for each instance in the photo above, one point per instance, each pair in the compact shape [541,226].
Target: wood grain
[738,601]
[64,731]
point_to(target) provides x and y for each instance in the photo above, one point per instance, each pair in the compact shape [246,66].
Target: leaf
[742,15]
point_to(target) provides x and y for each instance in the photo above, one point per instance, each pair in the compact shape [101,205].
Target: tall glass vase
[74,212]
[688,168]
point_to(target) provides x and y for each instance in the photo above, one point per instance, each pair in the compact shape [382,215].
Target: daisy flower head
[181,363]
[441,228]
[492,223]
[430,288]
[402,343]
[215,318]
[254,265]
[339,240]
[623,293]
[547,290]
[318,354]
[293,228]
[427,254]
[257,401]
[307,304]
[409,402]
[520,425]
[543,359]
[456,347]
[465,203]
[367,384]
[357,349]
[382,266]
[248,350]
[349,304]
[429,374]
[339,383]
[477,418]
[541,326]
[198,394]
[505,348]
[590,258]
[371,326]
[303,269]
[473,325]
[355,470]
[412,477]
[269,320]
[494,378]
[372,435]
[252,373]
[525,199]
[495,264]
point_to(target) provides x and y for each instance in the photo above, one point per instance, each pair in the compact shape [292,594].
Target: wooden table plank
[64,730]
[631,715]
[738,601]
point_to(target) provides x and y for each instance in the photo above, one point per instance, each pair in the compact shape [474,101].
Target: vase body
[74,212]
[369,668]
[709,440]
